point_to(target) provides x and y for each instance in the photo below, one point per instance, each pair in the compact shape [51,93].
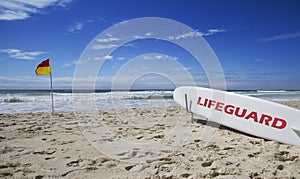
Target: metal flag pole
[51,92]
[188,107]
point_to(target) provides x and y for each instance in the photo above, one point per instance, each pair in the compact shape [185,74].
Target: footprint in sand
[74,163]
[285,156]
[49,151]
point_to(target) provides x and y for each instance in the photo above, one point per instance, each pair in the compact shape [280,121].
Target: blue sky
[257,42]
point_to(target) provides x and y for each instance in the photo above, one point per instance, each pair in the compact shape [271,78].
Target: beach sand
[136,143]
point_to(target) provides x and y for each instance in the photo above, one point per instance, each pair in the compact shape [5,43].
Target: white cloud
[121,58]
[19,54]
[213,31]
[124,22]
[76,27]
[186,35]
[12,15]
[158,57]
[131,44]
[100,47]
[107,57]
[63,3]
[81,62]
[22,9]
[282,37]
[107,43]
[196,34]
[67,65]
[105,82]
[146,35]
[138,37]
[109,39]
[75,62]
[34,82]
[259,60]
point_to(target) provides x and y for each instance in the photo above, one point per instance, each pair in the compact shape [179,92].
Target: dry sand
[136,143]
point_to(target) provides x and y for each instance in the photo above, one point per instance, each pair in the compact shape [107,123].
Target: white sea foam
[40,101]
[33,101]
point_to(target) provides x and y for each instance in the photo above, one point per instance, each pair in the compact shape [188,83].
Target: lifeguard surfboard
[251,115]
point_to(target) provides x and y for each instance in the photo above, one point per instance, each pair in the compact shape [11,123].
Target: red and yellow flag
[43,68]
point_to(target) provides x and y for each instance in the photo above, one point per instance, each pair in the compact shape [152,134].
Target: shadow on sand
[220,126]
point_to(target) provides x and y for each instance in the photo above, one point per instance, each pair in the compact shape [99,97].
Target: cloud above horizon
[76,27]
[234,80]
[22,9]
[19,54]
[282,37]
[196,34]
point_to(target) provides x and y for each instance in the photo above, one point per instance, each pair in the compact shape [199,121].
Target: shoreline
[42,145]
[294,104]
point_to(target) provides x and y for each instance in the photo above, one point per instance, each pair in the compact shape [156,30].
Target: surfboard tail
[297,131]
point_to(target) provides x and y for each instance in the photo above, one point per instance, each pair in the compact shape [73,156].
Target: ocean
[26,101]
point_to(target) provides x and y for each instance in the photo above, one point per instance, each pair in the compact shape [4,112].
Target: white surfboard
[251,115]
